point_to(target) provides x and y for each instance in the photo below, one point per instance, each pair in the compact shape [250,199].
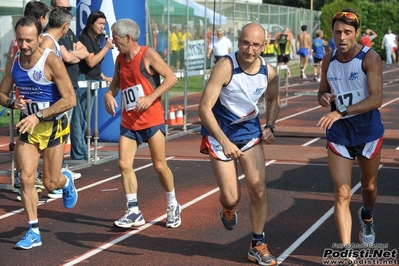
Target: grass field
[5,117]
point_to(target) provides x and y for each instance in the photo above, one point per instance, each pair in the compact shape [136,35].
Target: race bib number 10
[34,107]
[350,98]
[130,96]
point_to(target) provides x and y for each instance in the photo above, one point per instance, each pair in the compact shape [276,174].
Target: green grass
[194,84]
[5,118]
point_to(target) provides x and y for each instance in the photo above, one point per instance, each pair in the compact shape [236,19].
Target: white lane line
[310,142]
[298,113]
[313,228]
[310,231]
[147,225]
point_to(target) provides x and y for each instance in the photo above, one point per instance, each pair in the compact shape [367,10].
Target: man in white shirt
[220,46]
[389,44]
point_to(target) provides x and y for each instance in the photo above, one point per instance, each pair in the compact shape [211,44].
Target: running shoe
[348,260]
[55,194]
[228,218]
[315,77]
[366,234]
[173,219]
[261,254]
[130,219]
[30,240]
[17,182]
[318,79]
[74,174]
[69,194]
[41,199]
[39,181]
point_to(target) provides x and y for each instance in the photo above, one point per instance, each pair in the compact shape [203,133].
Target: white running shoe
[74,174]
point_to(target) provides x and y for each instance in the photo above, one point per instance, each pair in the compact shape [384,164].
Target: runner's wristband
[271,127]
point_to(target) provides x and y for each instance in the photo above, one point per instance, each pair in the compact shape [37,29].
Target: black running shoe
[228,218]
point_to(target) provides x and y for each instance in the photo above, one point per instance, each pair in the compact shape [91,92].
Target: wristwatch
[343,110]
[39,116]
[271,127]
[10,103]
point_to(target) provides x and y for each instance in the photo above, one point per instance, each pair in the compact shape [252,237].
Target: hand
[109,44]
[108,80]
[110,103]
[267,136]
[28,124]
[20,103]
[326,99]
[231,150]
[143,103]
[328,120]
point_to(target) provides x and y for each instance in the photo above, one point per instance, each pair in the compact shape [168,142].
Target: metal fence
[202,19]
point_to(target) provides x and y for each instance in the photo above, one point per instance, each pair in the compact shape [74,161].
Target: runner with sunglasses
[351,86]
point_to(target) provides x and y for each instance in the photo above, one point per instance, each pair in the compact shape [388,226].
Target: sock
[34,225]
[131,197]
[132,203]
[171,199]
[256,238]
[133,207]
[66,182]
[366,214]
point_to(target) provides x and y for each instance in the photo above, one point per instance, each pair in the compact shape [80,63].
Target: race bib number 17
[350,98]
[130,96]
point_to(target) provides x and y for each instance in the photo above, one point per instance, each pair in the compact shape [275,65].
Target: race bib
[34,107]
[350,98]
[250,116]
[130,96]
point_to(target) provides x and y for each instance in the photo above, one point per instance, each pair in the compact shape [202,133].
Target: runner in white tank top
[232,132]
[351,88]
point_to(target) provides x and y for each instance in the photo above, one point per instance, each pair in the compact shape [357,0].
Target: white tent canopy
[201,11]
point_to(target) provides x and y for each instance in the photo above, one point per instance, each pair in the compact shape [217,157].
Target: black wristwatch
[271,127]
[10,103]
[39,116]
[343,110]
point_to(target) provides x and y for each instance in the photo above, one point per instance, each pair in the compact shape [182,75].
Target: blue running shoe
[69,194]
[30,240]
[173,219]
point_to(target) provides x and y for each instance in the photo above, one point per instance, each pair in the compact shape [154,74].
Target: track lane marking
[147,225]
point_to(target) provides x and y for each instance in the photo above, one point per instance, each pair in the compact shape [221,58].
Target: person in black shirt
[89,69]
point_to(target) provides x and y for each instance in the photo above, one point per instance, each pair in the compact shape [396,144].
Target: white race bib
[131,95]
[250,116]
[350,98]
[34,107]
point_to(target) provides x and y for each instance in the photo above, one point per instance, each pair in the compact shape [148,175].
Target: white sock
[171,198]
[132,198]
